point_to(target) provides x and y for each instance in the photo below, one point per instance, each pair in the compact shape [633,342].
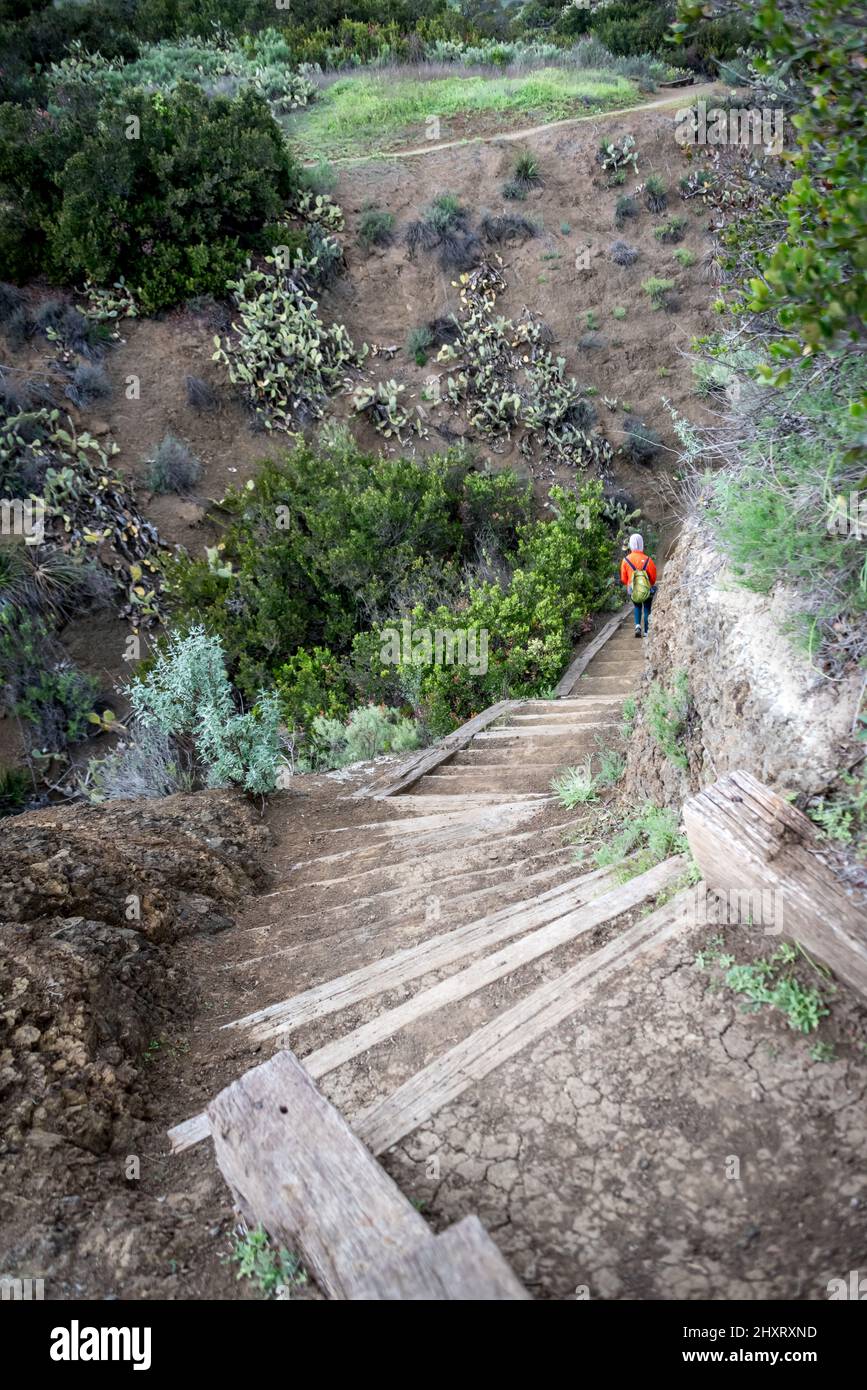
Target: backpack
[641,588]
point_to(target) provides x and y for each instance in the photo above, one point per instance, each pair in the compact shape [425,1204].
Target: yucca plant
[526,172]
[655,193]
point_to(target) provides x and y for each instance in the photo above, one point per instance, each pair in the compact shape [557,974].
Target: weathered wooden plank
[389,1120]
[389,972]
[747,839]
[461,1264]
[189,1132]
[567,927]
[583,659]
[294,1167]
[416,767]
[195,1129]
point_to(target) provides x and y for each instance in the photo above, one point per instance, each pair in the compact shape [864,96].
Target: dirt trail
[692,93]
[517,1033]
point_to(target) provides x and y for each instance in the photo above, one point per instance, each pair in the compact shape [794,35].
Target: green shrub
[369,732]
[40,685]
[326,549]
[659,292]
[684,257]
[526,172]
[641,444]
[419,343]
[800,457]
[15,788]
[376,227]
[667,717]
[173,212]
[655,193]
[671,230]
[626,208]
[312,683]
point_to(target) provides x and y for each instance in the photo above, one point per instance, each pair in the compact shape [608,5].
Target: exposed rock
[757,702]
[91,901]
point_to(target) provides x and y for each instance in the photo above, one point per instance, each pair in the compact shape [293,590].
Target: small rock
[26,1035]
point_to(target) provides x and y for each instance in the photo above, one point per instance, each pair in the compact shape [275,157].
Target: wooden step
[567,927]
[435,953]
[385,1123]
[527,733]
[504,781]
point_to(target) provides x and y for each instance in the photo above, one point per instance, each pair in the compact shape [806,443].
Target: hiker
[638,573]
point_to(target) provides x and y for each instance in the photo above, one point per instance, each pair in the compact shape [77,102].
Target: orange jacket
[638,558]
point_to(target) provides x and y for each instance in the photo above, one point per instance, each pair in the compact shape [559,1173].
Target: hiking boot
[638,632]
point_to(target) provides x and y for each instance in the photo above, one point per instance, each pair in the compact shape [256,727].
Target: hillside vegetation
[150,163]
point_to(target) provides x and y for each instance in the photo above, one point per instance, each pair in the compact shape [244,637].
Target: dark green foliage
[671,231]
[655,193]
[352,528]
[376,227]
[330,546]
[419,344]
[15,787]
[626,208]
[50,696]
[526,172]
[173,211]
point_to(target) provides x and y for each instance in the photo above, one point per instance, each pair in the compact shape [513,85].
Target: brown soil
[97,1009]
[638,360]
[598,1168]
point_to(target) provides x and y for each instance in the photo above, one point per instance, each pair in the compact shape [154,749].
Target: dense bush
[174,211]
[368,732]
[328,548]
[800,255]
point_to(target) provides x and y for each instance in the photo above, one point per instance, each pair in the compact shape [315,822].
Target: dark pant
[637,607]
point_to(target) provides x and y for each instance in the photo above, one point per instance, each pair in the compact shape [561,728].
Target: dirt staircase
[448,904]
[521,752]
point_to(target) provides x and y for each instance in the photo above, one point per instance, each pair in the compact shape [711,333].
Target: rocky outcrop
[756,702]
[91,898]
